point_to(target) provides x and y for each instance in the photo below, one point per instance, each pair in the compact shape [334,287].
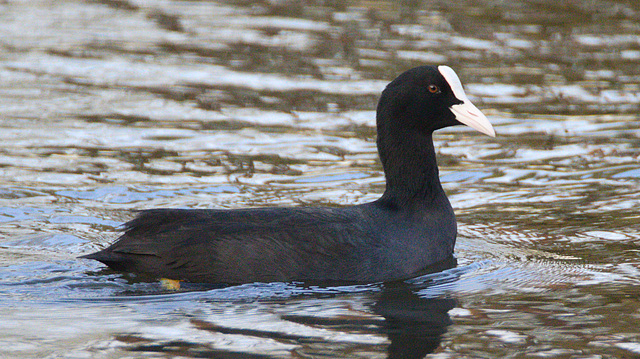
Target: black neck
[410,168]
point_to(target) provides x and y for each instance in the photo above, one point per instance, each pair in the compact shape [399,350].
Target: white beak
[466,112]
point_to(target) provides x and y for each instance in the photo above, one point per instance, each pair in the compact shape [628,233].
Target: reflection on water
[117,105]
[412,325]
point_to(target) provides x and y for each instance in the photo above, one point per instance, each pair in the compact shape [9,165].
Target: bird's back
[354,244]
[237,246]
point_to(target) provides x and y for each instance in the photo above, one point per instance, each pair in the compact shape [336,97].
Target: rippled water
[108,106]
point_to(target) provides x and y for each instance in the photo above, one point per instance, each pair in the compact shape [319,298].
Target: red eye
[433,89]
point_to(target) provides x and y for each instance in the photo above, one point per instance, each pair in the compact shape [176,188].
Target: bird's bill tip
[467,114]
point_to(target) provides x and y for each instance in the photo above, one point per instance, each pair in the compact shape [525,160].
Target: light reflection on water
[112,106]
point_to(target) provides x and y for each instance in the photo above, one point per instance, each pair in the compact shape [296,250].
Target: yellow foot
[170,284]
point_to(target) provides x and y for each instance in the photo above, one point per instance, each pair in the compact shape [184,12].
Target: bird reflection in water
[412,320]
[414,323]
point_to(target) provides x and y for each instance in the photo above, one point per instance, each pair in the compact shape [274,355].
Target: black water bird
[411,227]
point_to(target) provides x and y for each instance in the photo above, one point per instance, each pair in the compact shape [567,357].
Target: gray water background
[108,106]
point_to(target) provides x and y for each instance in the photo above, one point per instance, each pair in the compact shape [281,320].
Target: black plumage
[412,225]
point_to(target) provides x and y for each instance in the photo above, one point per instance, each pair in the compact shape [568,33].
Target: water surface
[112,106]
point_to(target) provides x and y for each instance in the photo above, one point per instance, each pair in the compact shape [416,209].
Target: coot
[411,227]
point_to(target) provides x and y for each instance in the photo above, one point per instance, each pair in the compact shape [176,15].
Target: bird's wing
[271,244]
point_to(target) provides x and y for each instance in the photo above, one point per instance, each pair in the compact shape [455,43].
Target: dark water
[108,106]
